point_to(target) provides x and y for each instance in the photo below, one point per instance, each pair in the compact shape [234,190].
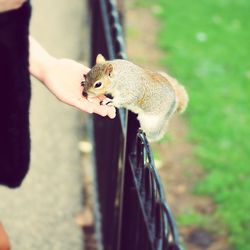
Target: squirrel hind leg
[153,125]
[153,137]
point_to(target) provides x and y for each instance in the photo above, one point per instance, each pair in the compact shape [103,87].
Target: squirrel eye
[98,84]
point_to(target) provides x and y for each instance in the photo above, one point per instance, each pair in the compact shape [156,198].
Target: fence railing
[131,203]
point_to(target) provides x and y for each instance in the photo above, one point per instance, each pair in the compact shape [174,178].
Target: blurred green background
[206,46]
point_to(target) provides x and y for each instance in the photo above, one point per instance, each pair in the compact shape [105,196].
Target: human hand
[63,77]
[6,5]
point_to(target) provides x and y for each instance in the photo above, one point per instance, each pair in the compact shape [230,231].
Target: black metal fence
[132,208]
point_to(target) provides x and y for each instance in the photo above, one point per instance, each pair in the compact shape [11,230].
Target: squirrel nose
[85,94]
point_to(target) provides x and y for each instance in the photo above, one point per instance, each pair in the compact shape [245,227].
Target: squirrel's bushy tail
[181,93]
[182,98]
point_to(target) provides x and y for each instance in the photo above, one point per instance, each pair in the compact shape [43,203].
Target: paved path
[40,214]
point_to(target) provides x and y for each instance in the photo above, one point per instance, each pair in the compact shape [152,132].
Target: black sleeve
[14,96]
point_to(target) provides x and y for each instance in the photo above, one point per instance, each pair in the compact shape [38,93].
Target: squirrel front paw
[107,101]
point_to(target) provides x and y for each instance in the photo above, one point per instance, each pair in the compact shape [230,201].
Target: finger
[83,105]
[86,106]
[108,110]
[94,107]
[100,110]
[111,112]
[94,100]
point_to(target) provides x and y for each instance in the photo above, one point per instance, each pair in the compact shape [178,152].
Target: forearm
[39,59]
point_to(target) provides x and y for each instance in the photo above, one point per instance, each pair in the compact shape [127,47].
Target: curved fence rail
[131,202]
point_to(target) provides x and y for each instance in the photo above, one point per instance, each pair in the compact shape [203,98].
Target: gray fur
[129,85]
[151,95]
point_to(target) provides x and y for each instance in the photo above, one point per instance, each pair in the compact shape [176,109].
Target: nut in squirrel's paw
[154,96]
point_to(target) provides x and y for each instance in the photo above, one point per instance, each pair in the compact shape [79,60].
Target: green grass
[207,48]
[190,218]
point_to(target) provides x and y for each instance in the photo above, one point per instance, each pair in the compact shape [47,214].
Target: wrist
[40,61]
[40,68]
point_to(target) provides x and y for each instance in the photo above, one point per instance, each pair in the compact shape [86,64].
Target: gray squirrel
[154,96]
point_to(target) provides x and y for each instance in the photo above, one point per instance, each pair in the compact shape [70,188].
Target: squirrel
[154,96]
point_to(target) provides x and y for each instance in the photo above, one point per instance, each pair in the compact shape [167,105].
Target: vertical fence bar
[109,135]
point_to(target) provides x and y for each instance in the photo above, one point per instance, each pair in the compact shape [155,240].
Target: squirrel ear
[100,59]
[108,69]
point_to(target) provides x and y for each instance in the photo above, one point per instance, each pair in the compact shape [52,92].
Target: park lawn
[206,46]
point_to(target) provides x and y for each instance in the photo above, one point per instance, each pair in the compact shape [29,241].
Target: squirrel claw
[110,104]
[107,102]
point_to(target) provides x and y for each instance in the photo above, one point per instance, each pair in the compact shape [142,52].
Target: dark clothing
[14,96]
